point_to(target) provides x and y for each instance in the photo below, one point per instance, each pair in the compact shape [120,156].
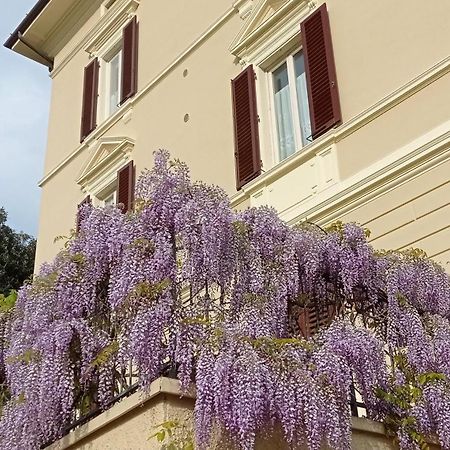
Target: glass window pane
[285,128]
[302,97]
[110,200]
[114,79]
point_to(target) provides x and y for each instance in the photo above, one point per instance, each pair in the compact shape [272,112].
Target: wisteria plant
[219,297]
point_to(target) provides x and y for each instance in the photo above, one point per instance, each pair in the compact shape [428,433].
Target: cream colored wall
[166,31]
[380,45]
[410,119]
[65,112]
[414,214]
[205,141]
[66,101]
[379,48]
[59,200]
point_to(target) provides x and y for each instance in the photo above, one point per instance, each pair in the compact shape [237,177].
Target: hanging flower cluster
[185,284]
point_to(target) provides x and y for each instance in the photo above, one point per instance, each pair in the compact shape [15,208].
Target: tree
[17,251]
[186,279]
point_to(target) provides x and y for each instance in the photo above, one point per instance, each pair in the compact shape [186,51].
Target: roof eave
[26,23]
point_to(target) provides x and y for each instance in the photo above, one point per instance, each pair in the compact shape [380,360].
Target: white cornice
[244,8]
[106,150]
[79,12]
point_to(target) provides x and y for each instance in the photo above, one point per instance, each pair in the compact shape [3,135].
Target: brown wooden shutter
[84,202]
[323,95]
[313,318]
[130,60]
[246,137]
[90,95]
[125,186]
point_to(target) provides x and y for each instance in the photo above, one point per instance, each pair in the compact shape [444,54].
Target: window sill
[318,159]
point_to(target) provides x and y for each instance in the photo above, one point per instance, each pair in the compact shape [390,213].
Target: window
[285,97]
[109,174]
[112,82]
[116,68]
[121,190]
[110,200]
[290,98]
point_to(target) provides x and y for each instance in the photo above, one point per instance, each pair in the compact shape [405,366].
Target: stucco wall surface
[393,69]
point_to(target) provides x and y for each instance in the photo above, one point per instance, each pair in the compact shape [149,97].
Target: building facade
[325,111]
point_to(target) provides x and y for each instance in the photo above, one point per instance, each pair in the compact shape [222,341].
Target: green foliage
[144,245]
[67,239]
[197,321]
[27,357]
[173,435]
[146,291]
[338,227]
[43,284]
[5,396]
[403,396]
[17,252]
[8,303]
[105,354]
[241,228]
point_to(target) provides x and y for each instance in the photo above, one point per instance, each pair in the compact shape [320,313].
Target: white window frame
[266,43]
[296,118]
[105,54]
[109,53]
[109,193]
[116,52]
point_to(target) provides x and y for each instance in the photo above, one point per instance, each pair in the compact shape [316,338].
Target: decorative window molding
[100,173]
[271,42]
[110,23]
[115,82]
[271,25]
[244,8]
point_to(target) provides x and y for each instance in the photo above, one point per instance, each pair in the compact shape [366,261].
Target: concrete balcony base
[129,424]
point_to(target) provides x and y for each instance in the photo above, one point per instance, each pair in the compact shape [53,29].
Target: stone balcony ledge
[129,424]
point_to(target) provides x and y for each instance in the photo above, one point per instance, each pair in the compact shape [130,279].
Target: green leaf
[169,424]
[28,356]
[429,377]
[21,399]
[161,435]
[105,354]
[8,303]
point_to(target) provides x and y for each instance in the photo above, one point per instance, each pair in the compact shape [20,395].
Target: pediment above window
[269,23]
[107,156]
[111,24]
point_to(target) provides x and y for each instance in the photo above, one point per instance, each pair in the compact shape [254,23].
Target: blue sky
[25,92]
